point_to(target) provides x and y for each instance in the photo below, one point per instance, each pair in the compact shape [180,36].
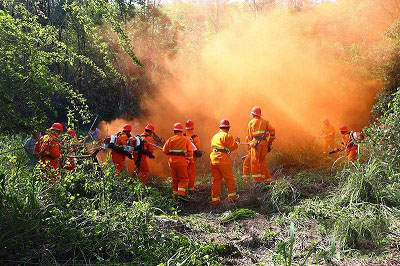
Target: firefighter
[195,140]
[117,143]
[350,140]
[260,135]
[180,151]
[222,144]
[70,142]
[48,149]
[146,150]
[328,135]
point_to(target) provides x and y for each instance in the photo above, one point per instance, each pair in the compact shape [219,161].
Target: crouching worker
[48,149]
[222,144]
[350,141]
[180,151]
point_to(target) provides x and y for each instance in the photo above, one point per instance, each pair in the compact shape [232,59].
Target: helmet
[71,132]
[127,127]
[149,127]
[224,124]
[57,126]
[256,111]
[343,129]
[189,125]
[178,127]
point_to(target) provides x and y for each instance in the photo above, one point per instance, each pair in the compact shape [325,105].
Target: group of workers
[183,149]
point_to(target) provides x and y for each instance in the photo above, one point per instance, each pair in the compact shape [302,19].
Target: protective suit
[222,144]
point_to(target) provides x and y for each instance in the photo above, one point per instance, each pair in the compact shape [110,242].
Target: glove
[151,156]
[269,148]
[129,156]
[237,139]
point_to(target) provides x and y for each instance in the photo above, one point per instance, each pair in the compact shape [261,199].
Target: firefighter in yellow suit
[222,144]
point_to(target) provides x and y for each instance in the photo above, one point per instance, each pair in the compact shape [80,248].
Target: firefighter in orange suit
[118,141]
[180,152]
[222,144]
[260,135]
[328,134]
[143,169]
[195,140]
[48,148]
[350,140]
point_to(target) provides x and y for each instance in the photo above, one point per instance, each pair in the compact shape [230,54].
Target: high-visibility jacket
[222,144]
[259,127]
[48,147]
[179,149]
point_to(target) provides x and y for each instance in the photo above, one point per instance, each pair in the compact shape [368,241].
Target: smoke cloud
[299,67]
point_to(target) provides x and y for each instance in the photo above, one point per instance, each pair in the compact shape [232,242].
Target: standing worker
[195,140]
[328,134]
[117,142]
[350,140]
[258,131]
[222,144]
[140,156]
[48,148]
[180,151]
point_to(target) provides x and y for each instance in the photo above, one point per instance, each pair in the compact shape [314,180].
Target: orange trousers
[351,155]
[119,162]
[180,180]
[259,166]
[328,145]
[247,167]
[218,173]
[192,175]
[143,170]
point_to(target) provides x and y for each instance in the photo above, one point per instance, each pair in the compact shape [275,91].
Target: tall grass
[88,218]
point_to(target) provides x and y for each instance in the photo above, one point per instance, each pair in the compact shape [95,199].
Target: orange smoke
[301,68]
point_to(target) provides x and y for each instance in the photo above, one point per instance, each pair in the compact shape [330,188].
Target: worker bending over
[350,141]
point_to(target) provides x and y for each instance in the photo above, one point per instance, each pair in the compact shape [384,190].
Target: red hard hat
[149,127]
[189,125]
[57,126]
[127,127]
[343,128]
[224,123]
[178,127]
[256,111]
[71,132]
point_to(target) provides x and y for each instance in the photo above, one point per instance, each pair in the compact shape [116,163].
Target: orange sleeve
[249,131]
[189,148]
[150,148]
[166,147]
[271,131]
[230,142]
[196,142]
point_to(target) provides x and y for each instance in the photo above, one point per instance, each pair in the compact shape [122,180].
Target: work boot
[234,199]
[183,198]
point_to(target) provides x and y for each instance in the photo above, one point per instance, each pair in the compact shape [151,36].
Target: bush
[87,218]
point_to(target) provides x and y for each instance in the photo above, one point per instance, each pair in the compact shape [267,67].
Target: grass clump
[230,216]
